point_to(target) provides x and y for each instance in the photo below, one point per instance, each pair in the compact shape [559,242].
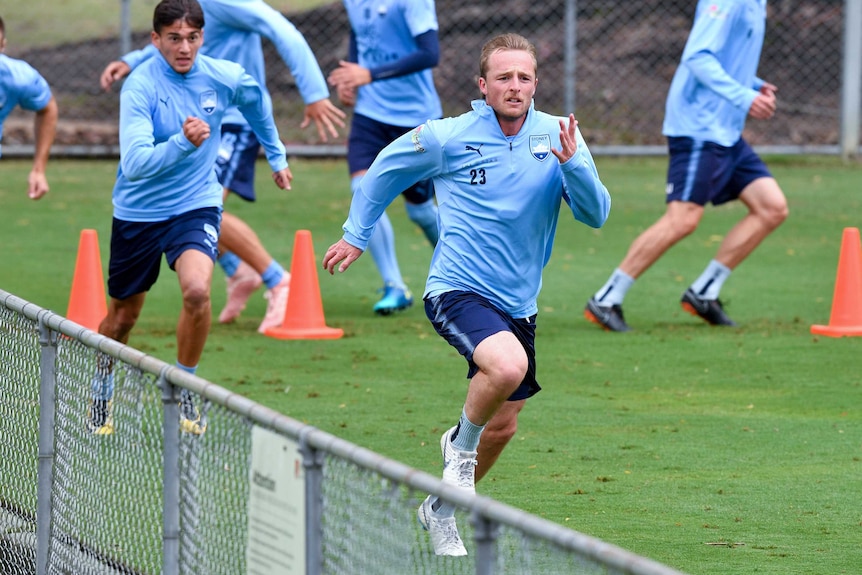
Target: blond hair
[508,41]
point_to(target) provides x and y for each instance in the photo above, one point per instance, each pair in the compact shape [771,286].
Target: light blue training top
[385,31]
[716,81]
[20,85]
[161,173]
[233,30]
[499,200]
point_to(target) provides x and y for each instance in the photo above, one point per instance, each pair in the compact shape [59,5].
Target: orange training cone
[846,318]
[87,305]
[303,318]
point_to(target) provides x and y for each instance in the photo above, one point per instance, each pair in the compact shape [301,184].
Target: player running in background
[21,85]
[387,79]
[234,32]
[713,90]
[167,199]
[498,217]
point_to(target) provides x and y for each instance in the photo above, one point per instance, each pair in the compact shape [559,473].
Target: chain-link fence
[257,493]
[612,60]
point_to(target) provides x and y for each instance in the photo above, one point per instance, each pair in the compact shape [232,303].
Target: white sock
[466,434]
[615,289]
[708,285]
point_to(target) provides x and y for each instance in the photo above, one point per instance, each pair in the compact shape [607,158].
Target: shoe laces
[446,533]
[464,468]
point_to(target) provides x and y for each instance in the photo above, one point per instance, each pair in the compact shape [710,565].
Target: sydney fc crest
[540,147]
[209,101]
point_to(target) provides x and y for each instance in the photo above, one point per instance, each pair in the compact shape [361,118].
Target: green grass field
[716,451]
[30,25]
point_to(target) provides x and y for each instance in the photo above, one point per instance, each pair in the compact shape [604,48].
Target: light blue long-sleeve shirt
[20,85]
[161,173]
[499,200]
[716,81]
[233,30]
[385,31]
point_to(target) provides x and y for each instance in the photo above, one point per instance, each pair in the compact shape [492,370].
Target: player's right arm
[262,19]
[415,156]
[44,128]
[141,157]
[707,39]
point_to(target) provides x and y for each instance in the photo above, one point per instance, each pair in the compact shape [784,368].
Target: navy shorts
[137,248]
[464,319]
[367,138]
[237,156]
[702,172]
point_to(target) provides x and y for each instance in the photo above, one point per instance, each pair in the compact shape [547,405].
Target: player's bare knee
[510,374]
[772,213]
[777,213]
[196,296]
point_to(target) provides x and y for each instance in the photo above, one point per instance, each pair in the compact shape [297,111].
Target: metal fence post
[125,27]
[571,53]
[850,81]
[171,478]
[485,533]
[312,462]
[47,407]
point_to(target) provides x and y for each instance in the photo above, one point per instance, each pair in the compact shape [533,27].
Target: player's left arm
[583,190]
[427,55]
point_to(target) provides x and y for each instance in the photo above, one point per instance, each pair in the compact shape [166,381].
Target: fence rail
[256,491]
[610,60]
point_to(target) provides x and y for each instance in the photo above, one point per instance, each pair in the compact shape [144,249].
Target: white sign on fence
[276,506]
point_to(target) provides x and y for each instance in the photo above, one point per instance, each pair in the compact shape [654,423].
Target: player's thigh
[764,196]
[503,355]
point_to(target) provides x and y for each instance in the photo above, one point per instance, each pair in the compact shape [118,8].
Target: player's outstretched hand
[568,140]
[326,116]
[341,252]
[282,178]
